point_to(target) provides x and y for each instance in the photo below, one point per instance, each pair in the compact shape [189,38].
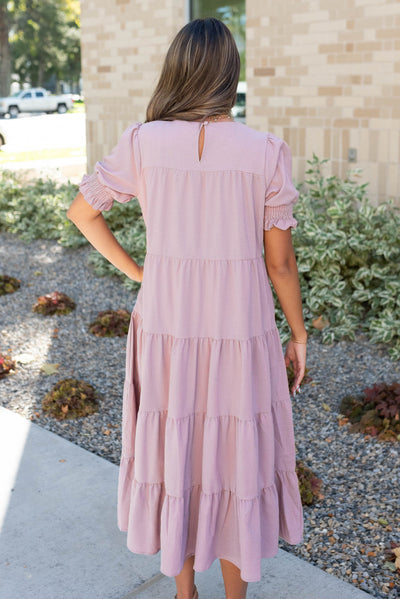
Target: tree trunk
[5,59]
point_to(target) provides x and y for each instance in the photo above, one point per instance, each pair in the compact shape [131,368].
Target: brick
[345,123]
[330,91]
[330,48]
[264,71]
[366,112]
[367,46]
[296,111]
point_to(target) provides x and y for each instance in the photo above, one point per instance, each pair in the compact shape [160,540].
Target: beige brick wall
[123,45]
[322,74]
[325,75]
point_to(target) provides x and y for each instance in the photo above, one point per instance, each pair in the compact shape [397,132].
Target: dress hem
[205,568]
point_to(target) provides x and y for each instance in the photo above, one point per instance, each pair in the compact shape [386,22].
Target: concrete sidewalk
[59,536]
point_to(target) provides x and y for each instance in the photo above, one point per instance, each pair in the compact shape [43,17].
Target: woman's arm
[280,261]
[92,224]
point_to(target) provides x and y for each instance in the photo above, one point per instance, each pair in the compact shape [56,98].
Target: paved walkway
[59,537]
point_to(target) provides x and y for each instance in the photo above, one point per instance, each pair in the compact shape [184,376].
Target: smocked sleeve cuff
[95,193]
[279,216]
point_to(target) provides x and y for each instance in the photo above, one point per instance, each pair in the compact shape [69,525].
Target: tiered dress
[208,451]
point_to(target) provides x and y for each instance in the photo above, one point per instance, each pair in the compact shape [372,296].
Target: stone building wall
[123,46]
[322,74]
[325,76]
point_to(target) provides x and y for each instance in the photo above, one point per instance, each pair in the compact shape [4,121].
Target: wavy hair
[200,74]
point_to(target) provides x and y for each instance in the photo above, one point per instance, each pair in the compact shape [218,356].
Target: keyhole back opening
[201,141]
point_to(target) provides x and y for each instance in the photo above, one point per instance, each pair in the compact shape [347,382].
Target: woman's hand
[296,353]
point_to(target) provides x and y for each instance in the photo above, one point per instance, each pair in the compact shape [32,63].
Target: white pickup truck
[35,99]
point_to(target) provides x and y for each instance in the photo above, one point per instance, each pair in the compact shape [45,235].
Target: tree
[45,40]
[5,58]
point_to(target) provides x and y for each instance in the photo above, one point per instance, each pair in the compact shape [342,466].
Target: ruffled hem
[99,195]
[208,454]
[95,193]
[208,525]
[279,216]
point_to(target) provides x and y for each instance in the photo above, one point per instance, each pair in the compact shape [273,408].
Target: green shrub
[348,255]
[38,209]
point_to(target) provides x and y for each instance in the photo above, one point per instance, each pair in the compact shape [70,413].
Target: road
[44,131]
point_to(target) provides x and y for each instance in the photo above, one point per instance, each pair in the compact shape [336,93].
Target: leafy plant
[38,209]
[386,400]
[54,303]
[309,484]
[375,412]
[8,284]
[6,364]
[71,398]
[348,259]
[392,555]
[111,323]
[290,374]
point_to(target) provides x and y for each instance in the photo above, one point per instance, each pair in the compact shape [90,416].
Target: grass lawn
[77,107]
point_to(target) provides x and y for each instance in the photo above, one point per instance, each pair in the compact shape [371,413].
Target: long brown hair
[200,74]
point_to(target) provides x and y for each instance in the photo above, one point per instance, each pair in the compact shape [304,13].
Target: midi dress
[208,451]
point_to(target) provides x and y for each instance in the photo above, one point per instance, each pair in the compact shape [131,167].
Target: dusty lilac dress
[208,453]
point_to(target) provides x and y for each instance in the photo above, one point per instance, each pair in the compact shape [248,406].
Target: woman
[208,459]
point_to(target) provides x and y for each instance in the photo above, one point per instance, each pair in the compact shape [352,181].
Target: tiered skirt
[208,453]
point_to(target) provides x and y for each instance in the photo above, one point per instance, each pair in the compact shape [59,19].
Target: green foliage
[375,412]
[54,303]
[6,364]
[45,40]
[309,484]
[8,284]
[71,398]
[111,323]
[348,254]
[38,209]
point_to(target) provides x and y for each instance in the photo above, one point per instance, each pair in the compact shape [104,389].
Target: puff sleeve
[281,194]
[116,177]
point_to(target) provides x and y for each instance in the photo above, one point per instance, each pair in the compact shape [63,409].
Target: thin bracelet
[301,342]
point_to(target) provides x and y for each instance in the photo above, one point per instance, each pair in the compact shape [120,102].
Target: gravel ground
[360,475]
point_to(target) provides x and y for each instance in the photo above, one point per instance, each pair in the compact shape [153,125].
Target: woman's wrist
[135,271]
[300,338]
